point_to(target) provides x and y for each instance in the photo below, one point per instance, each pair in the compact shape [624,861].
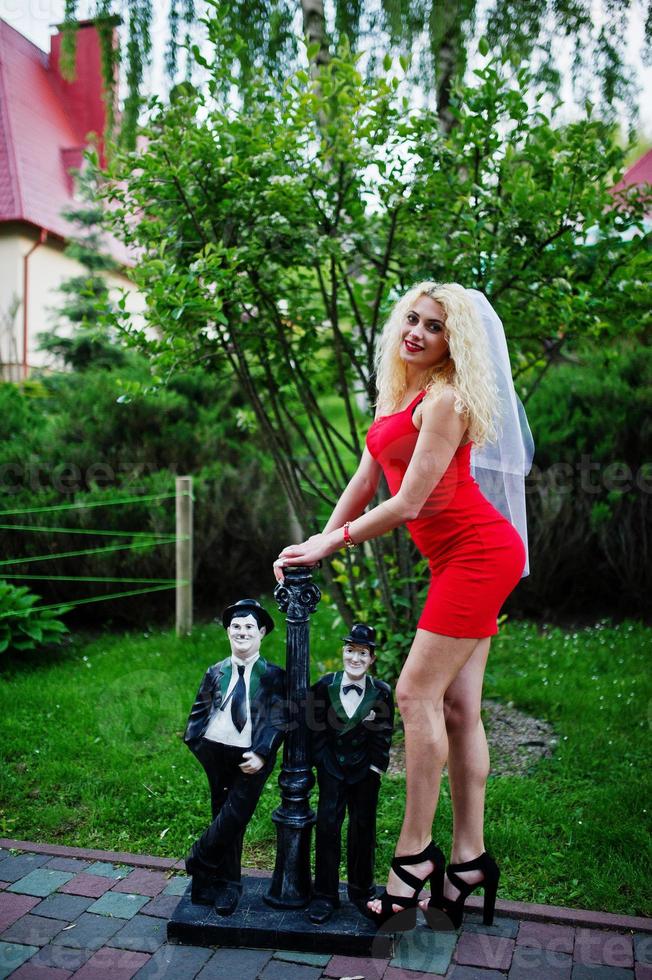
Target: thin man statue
[235,728]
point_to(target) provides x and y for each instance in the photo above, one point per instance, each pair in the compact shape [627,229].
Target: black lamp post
[297,597]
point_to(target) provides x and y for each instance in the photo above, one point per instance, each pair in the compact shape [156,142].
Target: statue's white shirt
[351,700]
[221,727]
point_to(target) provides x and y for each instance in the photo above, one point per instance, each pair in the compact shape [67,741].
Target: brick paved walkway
[103,915]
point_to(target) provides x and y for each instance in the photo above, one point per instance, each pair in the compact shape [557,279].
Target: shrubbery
[24,626]
[589,493]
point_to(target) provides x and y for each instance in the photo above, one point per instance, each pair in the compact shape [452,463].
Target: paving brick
[489,952]
[89,932]
[12,955]
[162,906]
[176,885]
[142,882]
[243,964]
[643,971]
[548,935]
[122,906]
[60,906]
[32,971]
[175,963]
[594,972]
[68,864]
[533,963]
[13,906]
[643,947]
[355,966]
[474,973]
[40,882]
[113,964]
[309,959]
[109,870]
[276,970]
[60,958]
[91,886]
[33,930]
[501,926]
[423,950]
[603,947]
[398,973]
[18,865]
[144,933]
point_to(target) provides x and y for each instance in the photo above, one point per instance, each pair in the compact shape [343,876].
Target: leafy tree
[261,36]
[274,239]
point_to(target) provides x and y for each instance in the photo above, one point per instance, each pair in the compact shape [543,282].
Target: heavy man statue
[235,727]
[352,718]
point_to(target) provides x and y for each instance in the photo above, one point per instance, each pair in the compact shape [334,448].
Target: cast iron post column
[297,597]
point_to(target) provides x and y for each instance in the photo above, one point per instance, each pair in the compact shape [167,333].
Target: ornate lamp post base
[291,883]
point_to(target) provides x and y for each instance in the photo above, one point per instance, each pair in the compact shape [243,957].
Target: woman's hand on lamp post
[309,552]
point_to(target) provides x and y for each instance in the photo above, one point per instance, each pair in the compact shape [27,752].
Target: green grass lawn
[93,756]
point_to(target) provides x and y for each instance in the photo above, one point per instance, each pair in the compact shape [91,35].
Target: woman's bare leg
[432,664]
[468,762]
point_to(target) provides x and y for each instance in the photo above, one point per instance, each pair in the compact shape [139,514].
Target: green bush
[23,627]
[589,514]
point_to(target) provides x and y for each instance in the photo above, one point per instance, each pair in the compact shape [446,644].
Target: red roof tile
[44,122]
[639,173]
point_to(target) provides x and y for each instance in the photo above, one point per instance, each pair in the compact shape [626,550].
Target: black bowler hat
[246,607]
[364,635]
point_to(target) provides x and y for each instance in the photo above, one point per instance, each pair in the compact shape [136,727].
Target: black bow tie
[352,687]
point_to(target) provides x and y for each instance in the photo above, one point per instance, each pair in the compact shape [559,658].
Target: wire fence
[140,540]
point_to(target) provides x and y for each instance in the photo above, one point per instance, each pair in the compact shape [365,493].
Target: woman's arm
[359,491]
[441,432]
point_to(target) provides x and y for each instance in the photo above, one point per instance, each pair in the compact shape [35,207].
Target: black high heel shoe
[407,918]
[454,908]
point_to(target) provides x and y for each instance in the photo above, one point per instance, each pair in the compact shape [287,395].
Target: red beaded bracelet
[348,540]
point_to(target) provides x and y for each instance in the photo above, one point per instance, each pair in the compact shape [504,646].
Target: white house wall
[48,268]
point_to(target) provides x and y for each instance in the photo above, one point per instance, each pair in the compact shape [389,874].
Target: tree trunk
[447,65]
[314,29]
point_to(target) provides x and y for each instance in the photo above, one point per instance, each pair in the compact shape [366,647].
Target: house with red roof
[638,175]
[46,123]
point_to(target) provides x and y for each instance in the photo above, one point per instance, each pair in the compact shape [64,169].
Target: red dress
[476,555]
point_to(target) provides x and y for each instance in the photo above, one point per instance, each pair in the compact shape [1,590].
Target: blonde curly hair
[468,370]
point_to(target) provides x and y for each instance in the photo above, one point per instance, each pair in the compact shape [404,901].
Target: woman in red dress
[437,396]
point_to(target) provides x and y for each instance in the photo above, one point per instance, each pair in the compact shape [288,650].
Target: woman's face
[422,334]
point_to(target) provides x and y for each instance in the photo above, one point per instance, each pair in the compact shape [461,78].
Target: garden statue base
[256,925]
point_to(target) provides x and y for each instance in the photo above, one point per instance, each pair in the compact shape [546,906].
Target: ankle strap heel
[455,909]
[406,919]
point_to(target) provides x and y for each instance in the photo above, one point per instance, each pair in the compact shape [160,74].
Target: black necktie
[238,699]
[351,687]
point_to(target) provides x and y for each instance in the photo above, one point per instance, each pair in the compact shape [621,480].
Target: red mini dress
[476,555]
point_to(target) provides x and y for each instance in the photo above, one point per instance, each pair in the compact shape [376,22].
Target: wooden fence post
[184,554]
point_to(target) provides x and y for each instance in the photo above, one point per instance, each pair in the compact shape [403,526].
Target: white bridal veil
[500,468]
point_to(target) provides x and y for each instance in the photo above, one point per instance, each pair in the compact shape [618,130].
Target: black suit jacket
[347,747]
[267,706]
